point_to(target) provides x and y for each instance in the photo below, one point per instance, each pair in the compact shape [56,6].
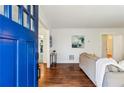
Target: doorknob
[39,71]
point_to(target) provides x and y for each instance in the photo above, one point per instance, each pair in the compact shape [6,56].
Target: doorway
[107,45]
[43,51]
[41,41]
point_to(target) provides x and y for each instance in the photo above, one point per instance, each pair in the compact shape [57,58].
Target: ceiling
[77,16]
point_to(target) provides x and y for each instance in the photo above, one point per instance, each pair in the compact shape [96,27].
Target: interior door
[107,46]
[118,47]
[18,54]
[104,45]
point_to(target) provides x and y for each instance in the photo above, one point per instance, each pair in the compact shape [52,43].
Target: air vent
[71,57]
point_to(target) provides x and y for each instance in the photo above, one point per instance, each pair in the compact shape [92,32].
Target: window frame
[21,10]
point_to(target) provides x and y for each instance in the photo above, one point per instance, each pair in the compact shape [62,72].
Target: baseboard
[67,61]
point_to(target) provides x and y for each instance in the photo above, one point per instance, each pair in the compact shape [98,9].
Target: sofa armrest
[113,79]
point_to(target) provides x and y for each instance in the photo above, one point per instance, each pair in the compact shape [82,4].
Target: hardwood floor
[64,75]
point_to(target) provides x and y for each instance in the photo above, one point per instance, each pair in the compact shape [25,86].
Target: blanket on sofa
[100,69]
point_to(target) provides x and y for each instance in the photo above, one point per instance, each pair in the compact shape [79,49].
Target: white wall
[44,29]
[118,47]
[62,41]
[45,33]
[40,37]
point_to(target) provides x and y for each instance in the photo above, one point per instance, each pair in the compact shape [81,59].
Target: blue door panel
[17,54]
[8,49]
[31,66]
[14,30]
[22,64]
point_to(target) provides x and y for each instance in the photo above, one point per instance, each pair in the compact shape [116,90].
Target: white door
[118,47]
[107,45]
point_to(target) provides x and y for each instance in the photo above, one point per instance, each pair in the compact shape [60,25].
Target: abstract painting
[78,41]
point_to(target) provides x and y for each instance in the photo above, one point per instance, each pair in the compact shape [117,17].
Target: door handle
[39,72]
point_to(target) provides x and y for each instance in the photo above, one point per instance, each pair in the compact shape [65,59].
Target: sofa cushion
[112,68]
[121,63]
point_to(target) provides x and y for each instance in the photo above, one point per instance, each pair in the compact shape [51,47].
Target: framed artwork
[78,41]
[50,41]
[41,46]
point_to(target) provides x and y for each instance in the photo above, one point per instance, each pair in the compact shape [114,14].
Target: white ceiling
[75,16]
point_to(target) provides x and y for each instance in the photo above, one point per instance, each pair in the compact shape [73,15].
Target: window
[27,17]
[32,24]
[25,6]
[25,20]
[15,13]
[32,10]
[2,9]
[20,14]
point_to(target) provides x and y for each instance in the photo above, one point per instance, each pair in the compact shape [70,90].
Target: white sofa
[87,64]
[113,76]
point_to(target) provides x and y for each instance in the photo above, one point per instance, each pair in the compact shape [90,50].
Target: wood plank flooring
[64,75]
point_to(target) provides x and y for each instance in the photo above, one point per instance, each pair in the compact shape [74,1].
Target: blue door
[18,47]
